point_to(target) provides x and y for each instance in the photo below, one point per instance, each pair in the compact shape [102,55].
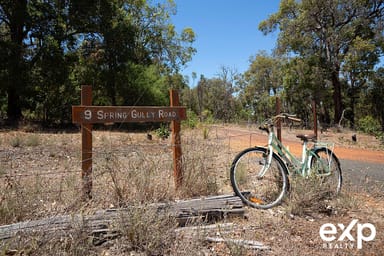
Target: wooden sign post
[176,142]
[86,115]
[86,145]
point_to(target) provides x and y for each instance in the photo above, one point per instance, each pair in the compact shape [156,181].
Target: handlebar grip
[294,119]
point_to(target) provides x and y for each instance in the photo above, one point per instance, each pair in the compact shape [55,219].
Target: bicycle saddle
[307,137]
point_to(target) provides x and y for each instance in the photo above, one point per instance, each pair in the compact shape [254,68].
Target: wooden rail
[101,222]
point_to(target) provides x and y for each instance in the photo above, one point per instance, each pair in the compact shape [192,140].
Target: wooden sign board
[86,115]
[126,114]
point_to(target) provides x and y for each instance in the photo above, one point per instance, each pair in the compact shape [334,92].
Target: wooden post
[86,115]
[278,124]
[86,146]
[176,142]
[314,117]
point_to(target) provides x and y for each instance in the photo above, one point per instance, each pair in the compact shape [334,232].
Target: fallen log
[101,222]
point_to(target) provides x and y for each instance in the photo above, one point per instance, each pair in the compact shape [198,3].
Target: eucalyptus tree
[228,78]
[125,47]
[133,40]
[263,83]
[326,30]
[15,25]
[34,37]
[358,69]
[376,95]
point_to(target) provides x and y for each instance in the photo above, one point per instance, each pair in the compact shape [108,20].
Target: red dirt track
[366,149]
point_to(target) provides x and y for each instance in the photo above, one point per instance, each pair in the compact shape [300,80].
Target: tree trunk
[382,119]
[14,109]
[337,97]
[17,18]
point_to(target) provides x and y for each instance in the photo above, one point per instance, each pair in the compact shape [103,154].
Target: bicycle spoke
[327,169]
[256,183]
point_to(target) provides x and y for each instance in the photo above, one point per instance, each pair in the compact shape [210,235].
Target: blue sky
[227,32]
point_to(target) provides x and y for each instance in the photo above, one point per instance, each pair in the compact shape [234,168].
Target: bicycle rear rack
[321,144]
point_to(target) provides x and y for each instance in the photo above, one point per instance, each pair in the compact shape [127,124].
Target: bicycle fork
[267,157]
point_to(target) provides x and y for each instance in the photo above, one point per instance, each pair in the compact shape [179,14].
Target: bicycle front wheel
[258,183]
[326,167]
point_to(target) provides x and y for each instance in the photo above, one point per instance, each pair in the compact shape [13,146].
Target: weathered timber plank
[210,208]
[249,244]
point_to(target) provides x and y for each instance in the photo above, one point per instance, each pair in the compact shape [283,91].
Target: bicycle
[260,175]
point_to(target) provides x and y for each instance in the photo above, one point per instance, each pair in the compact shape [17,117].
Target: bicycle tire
[259,192]
[327,166]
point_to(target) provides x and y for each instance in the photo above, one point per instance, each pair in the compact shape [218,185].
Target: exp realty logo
[341,237]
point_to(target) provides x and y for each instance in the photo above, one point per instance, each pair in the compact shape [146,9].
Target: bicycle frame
[301,166]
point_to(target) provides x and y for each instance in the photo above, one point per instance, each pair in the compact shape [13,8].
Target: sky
[226,33]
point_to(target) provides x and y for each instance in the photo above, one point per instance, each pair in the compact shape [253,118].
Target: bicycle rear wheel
[327,168]
[257,184]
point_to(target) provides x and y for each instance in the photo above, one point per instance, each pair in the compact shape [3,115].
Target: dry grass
[40,177]
[145,230]
[308,199]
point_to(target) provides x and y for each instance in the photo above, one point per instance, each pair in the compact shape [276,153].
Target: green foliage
[125,49]
[376,95]
[163,131]
[370,125]
[214,95]
[207,116]
[205,133]
[337,39]
[192,119]
[131,53]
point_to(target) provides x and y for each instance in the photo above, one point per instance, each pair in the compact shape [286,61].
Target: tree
[326,29]
[376,95]
[201,91]
[131,37]
[215,96]
[15,25]
[228,78]
[357,69]
[124,47]
[34,32]
[263,80]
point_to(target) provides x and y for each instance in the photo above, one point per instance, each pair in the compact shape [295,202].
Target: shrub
[15,142]
[144,229]
[33,140]
[192,119]
[207,116]
[369,125]
[163,131]
[308,198]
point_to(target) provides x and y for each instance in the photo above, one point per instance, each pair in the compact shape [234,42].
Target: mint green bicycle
[260,175]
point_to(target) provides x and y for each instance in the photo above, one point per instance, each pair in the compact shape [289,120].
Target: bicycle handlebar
[270,122]
[294,119]
[285,116]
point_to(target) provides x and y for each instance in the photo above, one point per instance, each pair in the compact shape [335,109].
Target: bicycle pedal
[256,200]
[252,198]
